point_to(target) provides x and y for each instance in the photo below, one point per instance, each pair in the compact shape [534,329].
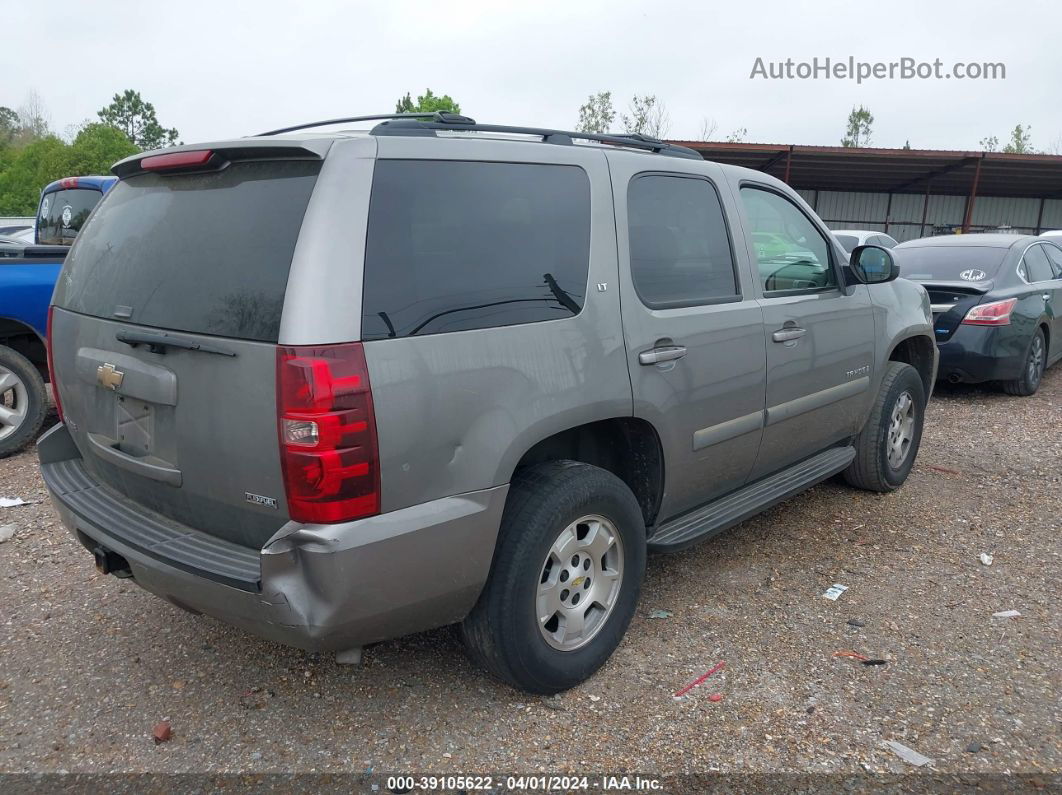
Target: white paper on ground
[835,591]
[908,755]
[11,502]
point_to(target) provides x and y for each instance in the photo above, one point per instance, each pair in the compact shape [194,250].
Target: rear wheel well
[22,338]
[917,352]
[627,447]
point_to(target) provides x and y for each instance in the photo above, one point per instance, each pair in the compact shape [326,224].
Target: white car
[1055,233]
[850,238]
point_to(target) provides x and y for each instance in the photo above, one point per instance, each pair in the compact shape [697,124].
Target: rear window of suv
[63,213]
[459,245]
[204,253]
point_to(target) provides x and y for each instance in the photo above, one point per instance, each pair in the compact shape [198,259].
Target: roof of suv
[413,124]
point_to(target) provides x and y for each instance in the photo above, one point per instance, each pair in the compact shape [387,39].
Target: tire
[23,401]
[873,468]
[504,633]
[1032,371]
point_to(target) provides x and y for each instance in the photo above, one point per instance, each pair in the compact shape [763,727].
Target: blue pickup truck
[27,278]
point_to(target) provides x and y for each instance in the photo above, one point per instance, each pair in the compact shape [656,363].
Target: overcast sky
[220,69]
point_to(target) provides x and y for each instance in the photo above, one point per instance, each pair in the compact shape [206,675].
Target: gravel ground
[89,664]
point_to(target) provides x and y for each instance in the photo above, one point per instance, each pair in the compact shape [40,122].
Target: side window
[888,242]
[457,245]
[1037,266]
[1054,253]
[680,248]
[790,251]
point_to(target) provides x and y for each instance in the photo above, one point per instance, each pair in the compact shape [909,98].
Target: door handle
[788,333]
[662,354]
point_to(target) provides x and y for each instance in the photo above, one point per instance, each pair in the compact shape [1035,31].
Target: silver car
[336,388]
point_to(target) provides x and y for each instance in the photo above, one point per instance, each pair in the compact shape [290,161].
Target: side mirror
[873,265]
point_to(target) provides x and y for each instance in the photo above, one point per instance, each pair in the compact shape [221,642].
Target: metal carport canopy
[838,168]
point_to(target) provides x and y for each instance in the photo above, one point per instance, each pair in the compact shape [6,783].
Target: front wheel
[23,401]
[564,584]
[887,445]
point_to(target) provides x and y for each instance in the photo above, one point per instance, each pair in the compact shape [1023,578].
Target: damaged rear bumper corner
[325,587]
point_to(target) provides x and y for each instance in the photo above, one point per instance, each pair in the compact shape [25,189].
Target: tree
[708,128]
[597,115]
[1020,141]
[33,118]
[427,103]
[31,168]
[989,144]
[136,118]
[738,135]
[9,125]
[648,116]
[24,171]
[906,144]
[96,148]
[858,131]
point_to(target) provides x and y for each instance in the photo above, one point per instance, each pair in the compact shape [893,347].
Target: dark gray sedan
[997,305]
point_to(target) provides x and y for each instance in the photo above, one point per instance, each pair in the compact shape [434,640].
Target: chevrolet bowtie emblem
[110,377]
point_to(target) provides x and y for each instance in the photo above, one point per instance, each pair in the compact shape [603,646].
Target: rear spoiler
[225,152]
[970,288]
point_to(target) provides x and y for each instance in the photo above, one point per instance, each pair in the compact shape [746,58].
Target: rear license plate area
[135,426]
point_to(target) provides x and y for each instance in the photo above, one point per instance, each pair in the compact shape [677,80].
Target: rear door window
[680,247]
[62,213]
[1037,266]
[206,253]
[459,245]
[1054,253]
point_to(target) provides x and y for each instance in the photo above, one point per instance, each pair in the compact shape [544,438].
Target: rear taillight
[327,433]
[51,366]
[996,313]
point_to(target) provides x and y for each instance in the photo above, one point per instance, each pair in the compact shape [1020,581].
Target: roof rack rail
[407,124]
[440,116]
[430,122]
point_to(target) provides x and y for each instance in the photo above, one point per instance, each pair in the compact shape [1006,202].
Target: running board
[748,501]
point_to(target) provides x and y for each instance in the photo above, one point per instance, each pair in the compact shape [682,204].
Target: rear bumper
[981,353]
[319,587]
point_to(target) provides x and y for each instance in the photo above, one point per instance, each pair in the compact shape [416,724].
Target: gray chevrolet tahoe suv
[336,388]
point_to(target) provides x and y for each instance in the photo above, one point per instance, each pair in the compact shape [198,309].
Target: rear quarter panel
[455,412]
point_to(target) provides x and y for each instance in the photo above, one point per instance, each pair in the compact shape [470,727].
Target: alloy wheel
[14,403]
[580,582]
[901,430]
[1035,365]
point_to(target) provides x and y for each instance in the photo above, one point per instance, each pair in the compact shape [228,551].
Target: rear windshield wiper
[158,343]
